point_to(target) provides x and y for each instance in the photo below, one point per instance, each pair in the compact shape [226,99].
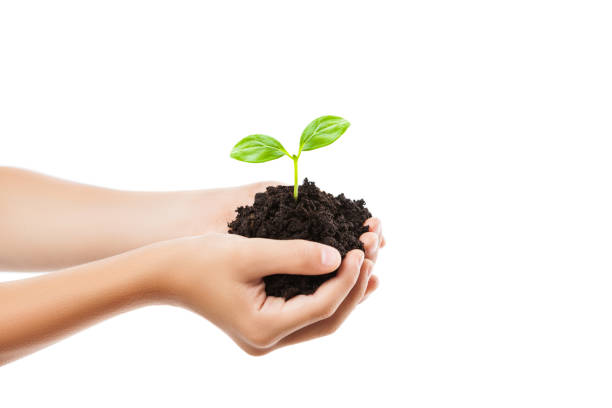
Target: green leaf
[258,149]
[322,131]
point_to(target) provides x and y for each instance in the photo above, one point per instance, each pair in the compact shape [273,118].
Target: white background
[480,135]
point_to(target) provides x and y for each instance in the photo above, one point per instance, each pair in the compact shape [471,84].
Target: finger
[332,323]
[374,225]
[370,243]
[304,310]
[262,257]
[372,286]
[353,299]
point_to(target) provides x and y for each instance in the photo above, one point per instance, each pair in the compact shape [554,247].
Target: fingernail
[330,257]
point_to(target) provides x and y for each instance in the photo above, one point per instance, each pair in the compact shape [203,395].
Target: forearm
[47,223]
[37,311]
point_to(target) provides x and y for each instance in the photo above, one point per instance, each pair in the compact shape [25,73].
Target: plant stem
[295,177]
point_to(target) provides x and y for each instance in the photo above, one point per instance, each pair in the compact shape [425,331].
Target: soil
[315,216]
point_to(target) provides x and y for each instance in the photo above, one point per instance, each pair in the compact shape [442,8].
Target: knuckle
[327,311]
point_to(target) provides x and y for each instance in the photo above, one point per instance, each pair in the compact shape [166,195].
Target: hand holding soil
[314,216]
[220,276]
[140,248]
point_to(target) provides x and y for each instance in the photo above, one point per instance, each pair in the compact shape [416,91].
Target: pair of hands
[219,276]
[120,250]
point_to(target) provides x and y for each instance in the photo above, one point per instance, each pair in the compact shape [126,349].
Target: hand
[220,277]
[367,283]
[220,210]
[223,203]
[216,275]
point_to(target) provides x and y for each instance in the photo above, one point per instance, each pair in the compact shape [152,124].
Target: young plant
[320,132]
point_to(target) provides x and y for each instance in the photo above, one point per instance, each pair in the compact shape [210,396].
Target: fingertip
[328,297]
[359,254]
[373,224]
[351,266]
[350,269]
[330,257]
[370,243]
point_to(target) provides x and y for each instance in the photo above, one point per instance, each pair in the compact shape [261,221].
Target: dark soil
[315,216]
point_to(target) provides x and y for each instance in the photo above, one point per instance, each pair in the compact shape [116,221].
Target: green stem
[295,177]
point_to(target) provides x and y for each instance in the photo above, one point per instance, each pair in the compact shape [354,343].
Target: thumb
[296,257]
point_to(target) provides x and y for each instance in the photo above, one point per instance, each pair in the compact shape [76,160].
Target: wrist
[145,270]
[164,279]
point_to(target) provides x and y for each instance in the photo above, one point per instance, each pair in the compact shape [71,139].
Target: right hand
[220,276]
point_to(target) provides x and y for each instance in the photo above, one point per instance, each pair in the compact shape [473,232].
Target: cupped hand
[220,277]
[226,200]
[366,283]
[223,202]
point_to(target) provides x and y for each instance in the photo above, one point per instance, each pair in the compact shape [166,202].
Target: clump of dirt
[315,216]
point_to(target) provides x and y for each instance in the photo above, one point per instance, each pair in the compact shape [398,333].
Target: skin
[113,251]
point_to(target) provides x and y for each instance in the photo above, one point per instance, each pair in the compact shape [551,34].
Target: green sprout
[319,133]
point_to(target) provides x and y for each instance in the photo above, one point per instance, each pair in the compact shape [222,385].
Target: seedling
[319,133]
